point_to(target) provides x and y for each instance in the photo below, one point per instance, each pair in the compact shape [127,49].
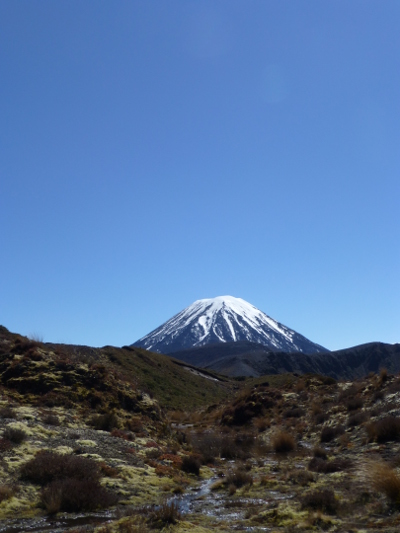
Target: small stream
[203,500]
[197,500]
[59,524]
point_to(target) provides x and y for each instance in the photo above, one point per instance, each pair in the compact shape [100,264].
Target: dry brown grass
[283,442]
[383,376]
[383,479]
[261,423]
[384,430]
[238,478]
[6,492]
[320,499]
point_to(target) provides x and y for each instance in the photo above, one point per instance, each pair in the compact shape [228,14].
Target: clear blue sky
[154,153]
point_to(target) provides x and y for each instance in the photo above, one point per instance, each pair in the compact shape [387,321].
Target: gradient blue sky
[154,153]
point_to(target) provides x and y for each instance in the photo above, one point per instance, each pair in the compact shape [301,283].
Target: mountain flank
[224,319]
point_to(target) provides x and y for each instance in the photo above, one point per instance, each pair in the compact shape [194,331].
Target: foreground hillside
[85,449]
[108,377]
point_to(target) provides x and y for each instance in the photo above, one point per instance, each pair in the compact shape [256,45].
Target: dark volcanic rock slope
[247,359]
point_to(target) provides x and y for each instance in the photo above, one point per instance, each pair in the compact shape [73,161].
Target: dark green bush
[191,465]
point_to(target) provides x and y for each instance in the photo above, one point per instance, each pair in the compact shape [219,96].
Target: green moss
[87,442]
[24,503]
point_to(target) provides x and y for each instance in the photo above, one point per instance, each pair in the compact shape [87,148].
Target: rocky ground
[281,454]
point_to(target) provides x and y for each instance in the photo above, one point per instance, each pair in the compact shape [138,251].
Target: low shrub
[384,479]
[51,419]
[357,419]
[386,429]
[239,478]
[323,466]
[378,395]
[76,495]
[6,492]
[329,433]
[349,393]
[190,465]
[261,424]
[5,445]
[23,347]
[328,380]
[108,471]
[320,453]
[7,412]
[283,442]
[165,514]
[106,422]
[301,477]
[394,387]
[14,435]
[249,405]
[383,375]
[354,403]
[213,445]
[294,412]
[47,467]
[134,424]
[321,417]
[122,434]
[153,453]
[320,500]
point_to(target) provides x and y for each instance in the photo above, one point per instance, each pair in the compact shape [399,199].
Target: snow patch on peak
[223,319]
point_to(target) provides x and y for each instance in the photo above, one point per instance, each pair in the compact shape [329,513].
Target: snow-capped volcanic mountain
[224,319]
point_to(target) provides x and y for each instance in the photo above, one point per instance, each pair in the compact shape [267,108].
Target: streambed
[199,500]
[59,524]
[202,500]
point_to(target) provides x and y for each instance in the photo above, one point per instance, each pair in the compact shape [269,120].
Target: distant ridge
[248,359]
[220,320]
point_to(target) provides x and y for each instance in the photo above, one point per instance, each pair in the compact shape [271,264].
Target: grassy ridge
[99,374]
[174,385]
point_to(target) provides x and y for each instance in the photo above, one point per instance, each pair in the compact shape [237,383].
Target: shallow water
[202,499]
[59,524]
[197,500]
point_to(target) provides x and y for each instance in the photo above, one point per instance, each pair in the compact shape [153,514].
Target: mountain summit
[224,319]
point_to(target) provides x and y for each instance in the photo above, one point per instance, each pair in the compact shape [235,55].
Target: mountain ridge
[248,359]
